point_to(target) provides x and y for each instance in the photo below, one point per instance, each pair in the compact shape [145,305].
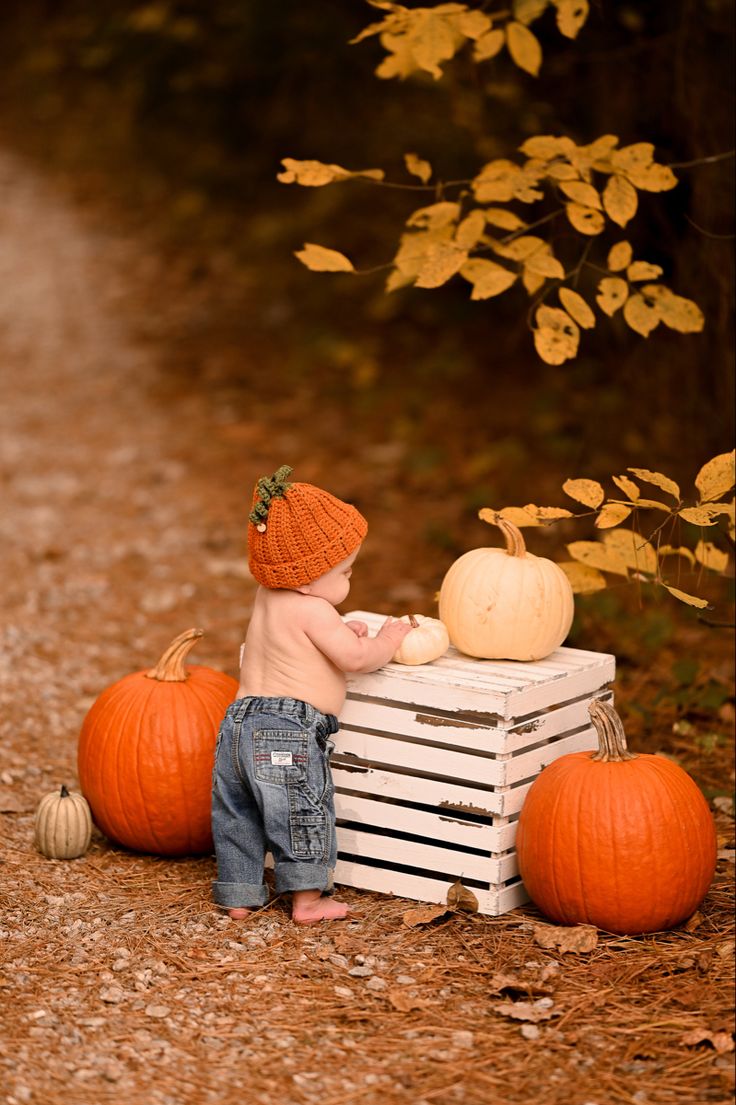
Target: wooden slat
[531,763]
[420,759]
[491,903]
[426,857]
[385,718]
[428,792]
[433,826]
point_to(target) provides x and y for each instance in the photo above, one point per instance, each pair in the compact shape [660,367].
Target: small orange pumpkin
[621,841]
[146,753]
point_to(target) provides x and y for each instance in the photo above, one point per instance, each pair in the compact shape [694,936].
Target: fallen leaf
[540,1010]
[721,1042]
[423,915]
[403,1002]
[578,938]
[460,899]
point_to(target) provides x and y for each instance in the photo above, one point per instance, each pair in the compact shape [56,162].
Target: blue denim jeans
[272,791]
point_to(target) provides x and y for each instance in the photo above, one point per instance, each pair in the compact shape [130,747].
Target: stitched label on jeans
[282,759]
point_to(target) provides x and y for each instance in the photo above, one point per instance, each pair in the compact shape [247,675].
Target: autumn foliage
[488,229]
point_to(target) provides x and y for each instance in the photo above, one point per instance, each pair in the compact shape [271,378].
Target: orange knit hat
[297,532]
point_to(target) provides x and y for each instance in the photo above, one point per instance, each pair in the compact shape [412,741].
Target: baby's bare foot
[239,914]
[310,906]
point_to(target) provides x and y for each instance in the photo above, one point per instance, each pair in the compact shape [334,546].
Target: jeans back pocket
[280,755]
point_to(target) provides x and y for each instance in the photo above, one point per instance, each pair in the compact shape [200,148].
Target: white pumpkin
[63,825]
[506,604]
[427,641]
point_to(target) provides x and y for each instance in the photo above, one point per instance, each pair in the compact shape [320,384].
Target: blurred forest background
[173,117]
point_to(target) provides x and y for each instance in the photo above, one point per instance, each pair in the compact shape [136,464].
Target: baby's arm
[348,652]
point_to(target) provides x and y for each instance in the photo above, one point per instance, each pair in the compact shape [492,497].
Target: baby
[272,785]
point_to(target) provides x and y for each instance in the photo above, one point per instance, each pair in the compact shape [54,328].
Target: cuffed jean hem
[304,876]
[239,895]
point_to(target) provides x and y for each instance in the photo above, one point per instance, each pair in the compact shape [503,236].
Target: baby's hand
[394,630]
[360,629]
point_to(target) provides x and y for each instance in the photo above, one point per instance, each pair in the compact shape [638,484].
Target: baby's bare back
[280,658]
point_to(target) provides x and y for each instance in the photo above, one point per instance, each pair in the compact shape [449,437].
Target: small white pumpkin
[427,641]
[506,604]
[63,825]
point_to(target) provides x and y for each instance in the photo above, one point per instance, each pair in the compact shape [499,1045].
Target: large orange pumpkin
[146,752]
[621,841]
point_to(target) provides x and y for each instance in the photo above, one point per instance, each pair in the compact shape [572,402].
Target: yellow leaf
[642,270]
[577,308]
[619,256]
[691,600]
[414,247]
[670,550]
[526,11]
[436,215]
[716,477]
[657,479]
[562,170]
[652,178]
[596,555]
[546,147]
[619,199]
[488,278]
[585,219]
[632,548]
[654,504]
[400,61]
[640,315]
[315,174]
[520,516]
[471,229]
[611,514]
[627,486]
[473,24]
[532,281]
[524,47]
[398,279]
[633,158]
[319,259]
[496,181]
[442,260]
[588,492]
[571,15]
[520,248]
[488,45]
[675,311]
[581,193]
[432,40]
[418,167]
[710,556]
[583,578]
[705,515]
[556,337]
[543,263]
[507,220]
[612,294]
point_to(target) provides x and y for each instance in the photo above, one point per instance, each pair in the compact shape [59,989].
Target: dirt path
[121,525]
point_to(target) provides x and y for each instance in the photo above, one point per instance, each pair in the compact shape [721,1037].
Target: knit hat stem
[268,488]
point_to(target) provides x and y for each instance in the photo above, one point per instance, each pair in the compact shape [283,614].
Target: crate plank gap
[432,764]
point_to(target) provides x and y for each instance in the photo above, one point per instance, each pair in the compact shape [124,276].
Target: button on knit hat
[297,532]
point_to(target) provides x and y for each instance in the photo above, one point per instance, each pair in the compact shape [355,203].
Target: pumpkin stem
[514,540]
[413,622]
[611,737]
[64,792]
[170,668]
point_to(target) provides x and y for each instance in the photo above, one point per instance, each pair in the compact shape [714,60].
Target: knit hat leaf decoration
[268,488]
[298,532]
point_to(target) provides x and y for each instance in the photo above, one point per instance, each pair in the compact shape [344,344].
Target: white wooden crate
[432,764]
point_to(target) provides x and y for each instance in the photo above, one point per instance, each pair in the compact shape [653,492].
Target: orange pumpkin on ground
[146,752]
[621,841]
